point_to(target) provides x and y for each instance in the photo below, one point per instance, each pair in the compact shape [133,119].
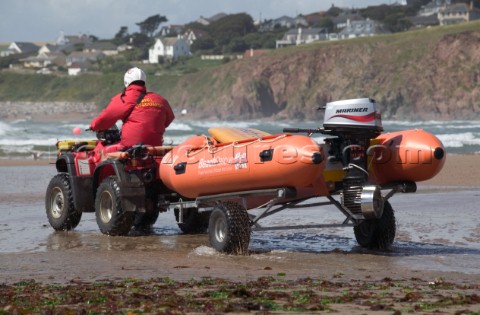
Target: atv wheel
[112,219]
[145,220]
[61,211]
[378,233]
[193,222]
[229,229]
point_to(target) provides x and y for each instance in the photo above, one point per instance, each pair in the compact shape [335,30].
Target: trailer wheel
[61,212]
[112,219]
[378,233]
[193,222]
[229,229]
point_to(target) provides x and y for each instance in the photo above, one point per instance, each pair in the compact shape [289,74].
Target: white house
[458,13]
[302,36]
[361,29]
[168,47]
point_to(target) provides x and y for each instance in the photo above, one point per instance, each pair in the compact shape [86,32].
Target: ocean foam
[458,140]
[3,128]
[179,126]
[205,251]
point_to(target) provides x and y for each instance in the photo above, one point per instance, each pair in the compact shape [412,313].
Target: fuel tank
[203,166]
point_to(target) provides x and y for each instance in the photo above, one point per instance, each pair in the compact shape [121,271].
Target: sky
[43,20]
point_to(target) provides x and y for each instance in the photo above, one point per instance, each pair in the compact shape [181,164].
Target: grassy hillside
[91,87]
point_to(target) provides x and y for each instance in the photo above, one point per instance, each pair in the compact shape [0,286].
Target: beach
[437,244]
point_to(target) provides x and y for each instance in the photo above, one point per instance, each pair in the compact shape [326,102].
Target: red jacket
[144,122]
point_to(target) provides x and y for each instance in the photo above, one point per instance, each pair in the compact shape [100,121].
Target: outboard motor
[354,122]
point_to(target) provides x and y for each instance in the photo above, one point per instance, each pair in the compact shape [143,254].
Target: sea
[22,139]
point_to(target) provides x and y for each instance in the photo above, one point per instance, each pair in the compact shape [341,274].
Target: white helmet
[134,74]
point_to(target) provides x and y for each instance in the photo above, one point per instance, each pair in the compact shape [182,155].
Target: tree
[121,37]
[202,44]
[141,40]
[262,40]
[231,26]
[151,24]
[237,44]
[328,24]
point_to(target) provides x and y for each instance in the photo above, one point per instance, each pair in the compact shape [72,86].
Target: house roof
[26,47]
[169,41]
[343,18]
[284,18]
[199,33]
[458,8]
[306,31]
[92,55]
[72,39]
[45,56]
[101,46]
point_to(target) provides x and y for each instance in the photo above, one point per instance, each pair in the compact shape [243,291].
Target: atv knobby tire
[193,222]
[59,205]
[377,233]
[229,229]
[112,219]
[145,220]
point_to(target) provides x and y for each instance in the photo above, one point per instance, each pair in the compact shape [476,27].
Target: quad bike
[212,182]
[120,187]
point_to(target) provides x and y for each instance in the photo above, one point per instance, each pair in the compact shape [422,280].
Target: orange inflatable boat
[235,159]
[204,166]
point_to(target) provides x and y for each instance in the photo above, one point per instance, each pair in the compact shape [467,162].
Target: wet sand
[438,239]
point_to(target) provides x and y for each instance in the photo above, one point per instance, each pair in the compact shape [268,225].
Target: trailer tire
[112,219]
[377,234]
[61,212]
[229,229]
[194,222]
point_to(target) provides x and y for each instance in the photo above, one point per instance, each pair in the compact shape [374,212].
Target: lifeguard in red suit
[145,115]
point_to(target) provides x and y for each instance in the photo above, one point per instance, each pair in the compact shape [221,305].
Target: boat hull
[200,166]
